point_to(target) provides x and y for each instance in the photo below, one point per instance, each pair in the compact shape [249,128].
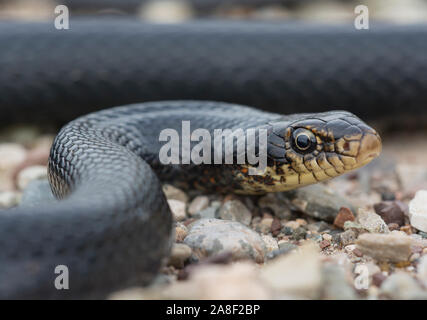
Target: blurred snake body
[112,225]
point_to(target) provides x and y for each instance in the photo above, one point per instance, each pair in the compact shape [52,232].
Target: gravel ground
[360,236]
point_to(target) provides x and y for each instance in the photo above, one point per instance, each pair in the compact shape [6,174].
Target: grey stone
[198,204]
[371,222]
[347,237]
[318,201]
[208,213]
[287,231]
[299,233]
[213,236]
[279,204]
[235,210]
[392,247]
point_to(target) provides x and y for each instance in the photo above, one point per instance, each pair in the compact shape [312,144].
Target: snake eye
[304,140]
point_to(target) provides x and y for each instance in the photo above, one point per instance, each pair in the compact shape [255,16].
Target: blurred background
[396,11]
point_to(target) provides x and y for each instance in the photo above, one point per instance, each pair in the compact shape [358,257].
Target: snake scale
[112,227]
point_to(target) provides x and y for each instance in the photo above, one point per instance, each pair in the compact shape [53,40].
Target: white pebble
[418,210]
[327,236]
[8,199]
[270,243]
[178,209]
[29,174]
[11,155]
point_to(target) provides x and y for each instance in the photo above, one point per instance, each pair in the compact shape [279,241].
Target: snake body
[57,75]
[112,227]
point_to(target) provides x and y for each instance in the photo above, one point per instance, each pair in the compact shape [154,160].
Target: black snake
[112,228]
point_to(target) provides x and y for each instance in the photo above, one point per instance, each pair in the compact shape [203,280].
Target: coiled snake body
[112,227]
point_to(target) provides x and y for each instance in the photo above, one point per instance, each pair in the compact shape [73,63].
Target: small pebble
[391,211]
[318,201]
[166,11]
[344,214]
[270,243]
[29,174]
[292,224]
[358,253]
[323,244]
[287,231]
[235,210]
[301,222]
[213,236]
[385,247]
[349,248]
[327,237]
[181,232]
[178,209]
[174,193]
[265,225]
[179,254]
[11,155]
[318,226]
[198,204]
[347,237]
[378,278]
[418,210]
[8,199]
[299,233]
[407,229]
[371,222]
[393,226]
[279,206]
[276,226]
[208,213]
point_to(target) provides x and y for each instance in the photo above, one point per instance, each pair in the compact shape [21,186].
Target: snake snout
[370,147]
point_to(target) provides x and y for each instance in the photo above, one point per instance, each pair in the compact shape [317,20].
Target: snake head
[311,148]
